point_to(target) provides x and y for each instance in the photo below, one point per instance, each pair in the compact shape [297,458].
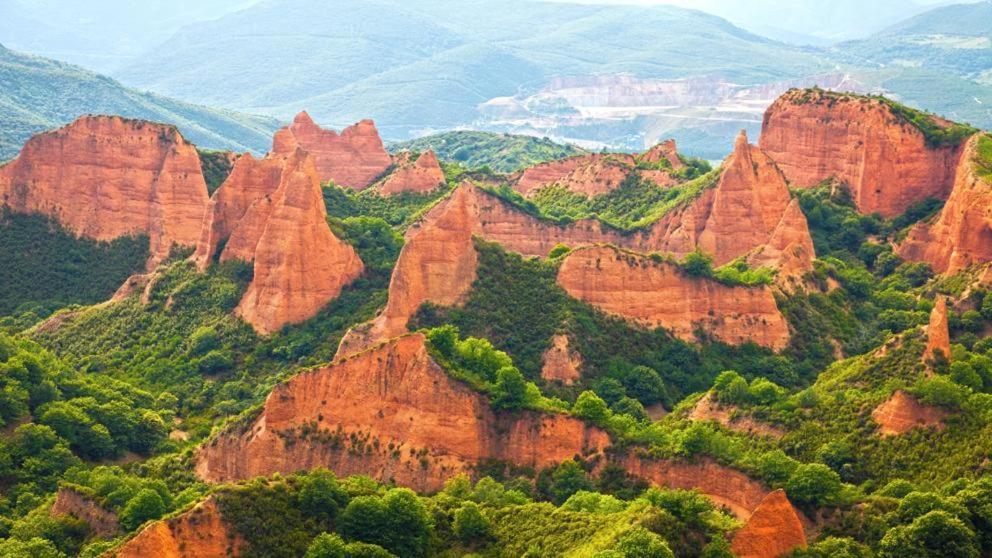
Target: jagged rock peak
[104,177]
[938,334]
[353,158]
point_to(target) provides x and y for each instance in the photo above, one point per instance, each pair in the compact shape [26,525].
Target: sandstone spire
[104,177]
[299,265]
[355,158]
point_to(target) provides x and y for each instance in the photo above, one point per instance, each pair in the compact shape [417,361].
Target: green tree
[814,483]
[146,505]
[641,543]
[398,522]
[471,526]
[698,264]
[510,391]
[937,534]
[326,545]
[567,479]
[590,407]
[731,388]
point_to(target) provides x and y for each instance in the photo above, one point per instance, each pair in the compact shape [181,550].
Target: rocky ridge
[418,174]
[773,530]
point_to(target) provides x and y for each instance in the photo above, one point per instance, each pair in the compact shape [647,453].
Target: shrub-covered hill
[499,152]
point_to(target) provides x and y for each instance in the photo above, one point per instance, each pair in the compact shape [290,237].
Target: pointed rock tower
[419,175]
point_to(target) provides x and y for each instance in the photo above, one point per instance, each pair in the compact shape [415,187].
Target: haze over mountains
[618,76]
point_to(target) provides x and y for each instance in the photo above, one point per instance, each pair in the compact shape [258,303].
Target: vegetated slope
[40,94]
[499,152]
[442,57]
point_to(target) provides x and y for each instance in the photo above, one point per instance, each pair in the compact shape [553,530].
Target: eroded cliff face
[102,521]
[393,413]
[353,158]
[660,294]
[665,150]
[421,175]
[816,135]
[773,530]
[560,362]
[104,177]
[938,332]
[901,413]
[726,487]
[198,533]
[299,265]
[962,233]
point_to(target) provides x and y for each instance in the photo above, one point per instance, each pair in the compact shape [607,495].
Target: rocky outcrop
[102,521]
[749,205]
[560,362]
[412,173]
[708,408]
[393,413]
[790,247]
[962,234]
[815,135]
[723,485]
[104,177]
[901,413]
[299,265]
[773,530]
[353,158]
[665,150]
[438,261]
[198,533]
[659,294]
[938,333]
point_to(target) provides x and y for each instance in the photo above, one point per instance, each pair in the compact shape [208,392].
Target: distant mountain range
[598,76]
[39,94]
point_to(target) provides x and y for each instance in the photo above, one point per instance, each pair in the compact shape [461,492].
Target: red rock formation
[238,211]
[421,175]
[938,333]
[707,408]
[901,413]
[299,265]
[659,294]
[665,150]
[962,234]
[816,135]
[727,487]
[355,158]
[390,412]
[773,530]
[438,261]
[102,521]
[198,533]
[561,363]
[748,204]
[104,177]
[590,175]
